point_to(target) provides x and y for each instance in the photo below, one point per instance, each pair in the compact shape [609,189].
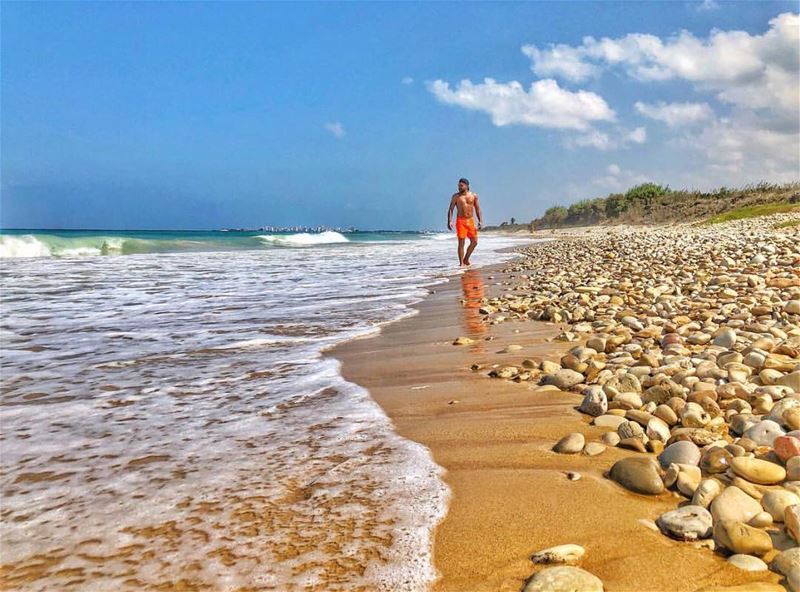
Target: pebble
[786,447]
[687,523]
[764,432]
[776,501]
[559,554]
[786,561]
[595,401]
[734,504]
[563,579]
[683,452]
[640,475]
[570,444]
[738,537]
[747,562]
[594,448]
[791,518]
[758,471]
[564,379]
[463,341]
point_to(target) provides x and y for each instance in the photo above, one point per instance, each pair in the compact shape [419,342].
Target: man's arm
[450,212]
[478,212]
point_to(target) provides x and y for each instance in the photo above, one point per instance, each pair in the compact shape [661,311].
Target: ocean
[169,421]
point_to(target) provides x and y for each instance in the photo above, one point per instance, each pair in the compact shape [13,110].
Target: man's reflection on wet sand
[472,286]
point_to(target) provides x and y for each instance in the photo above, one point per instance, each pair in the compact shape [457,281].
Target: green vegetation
[788,224]
[650,203]
[754,212]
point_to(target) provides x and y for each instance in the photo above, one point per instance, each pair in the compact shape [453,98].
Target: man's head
[463,184]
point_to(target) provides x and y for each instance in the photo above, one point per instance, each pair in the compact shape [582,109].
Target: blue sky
[207,115]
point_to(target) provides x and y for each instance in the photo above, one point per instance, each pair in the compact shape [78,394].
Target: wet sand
[510,492]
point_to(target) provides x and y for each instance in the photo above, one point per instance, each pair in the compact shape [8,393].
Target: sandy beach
[511,494]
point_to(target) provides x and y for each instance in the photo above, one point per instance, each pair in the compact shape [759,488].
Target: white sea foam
[174,414]
[25,245]
[304,239]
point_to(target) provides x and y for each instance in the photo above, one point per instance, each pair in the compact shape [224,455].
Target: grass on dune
[754,212]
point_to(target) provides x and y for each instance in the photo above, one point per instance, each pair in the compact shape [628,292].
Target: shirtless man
[466,202]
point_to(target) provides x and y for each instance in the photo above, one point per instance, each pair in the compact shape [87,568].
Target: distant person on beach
[466,202]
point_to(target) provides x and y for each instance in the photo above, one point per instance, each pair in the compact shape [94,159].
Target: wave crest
[304,239]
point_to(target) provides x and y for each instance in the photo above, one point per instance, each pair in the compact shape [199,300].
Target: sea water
[168,418]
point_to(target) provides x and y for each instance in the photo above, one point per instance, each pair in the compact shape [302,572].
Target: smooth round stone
[657,429]
[716,460]
[792,307]
[775,502]
[683,453]
[463,341]
[793,468]
[764,432]
[761,520]
[666,414]
[563,379]
[776,414]
[786,447]
[559,554]
[594,401]
[608,421]
[734,504]
[640,475]
[594,448]
[747,562]
[758,471]
[564,579]
[791,518]
[610,438]
[786,561]
[725,338]
[738,537]
[511,348]
[570,444]
[706,492]
[791,380]
[688,523]
[628,400]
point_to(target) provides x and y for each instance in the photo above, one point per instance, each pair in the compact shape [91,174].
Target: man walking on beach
[466,202]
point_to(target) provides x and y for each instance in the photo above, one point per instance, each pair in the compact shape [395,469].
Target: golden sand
[511,496]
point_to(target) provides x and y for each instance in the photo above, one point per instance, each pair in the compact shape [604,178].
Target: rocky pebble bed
[687,352]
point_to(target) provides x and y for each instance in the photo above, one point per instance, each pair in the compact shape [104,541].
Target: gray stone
[687,523]
[564,579]
[563,379]
[764,432]
[559,554]
[595,401]
[682,453]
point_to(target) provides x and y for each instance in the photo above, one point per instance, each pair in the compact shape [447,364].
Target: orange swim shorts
[465,228]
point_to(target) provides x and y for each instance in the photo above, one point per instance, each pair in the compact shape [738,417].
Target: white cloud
[560,60]
[744,70]
[545,104]
[603,141]
[676,114]
[407,80]
[336,128]
[638,136]
[756,76]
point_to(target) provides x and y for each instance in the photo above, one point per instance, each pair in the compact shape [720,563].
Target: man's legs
[473,242]
[460,252]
